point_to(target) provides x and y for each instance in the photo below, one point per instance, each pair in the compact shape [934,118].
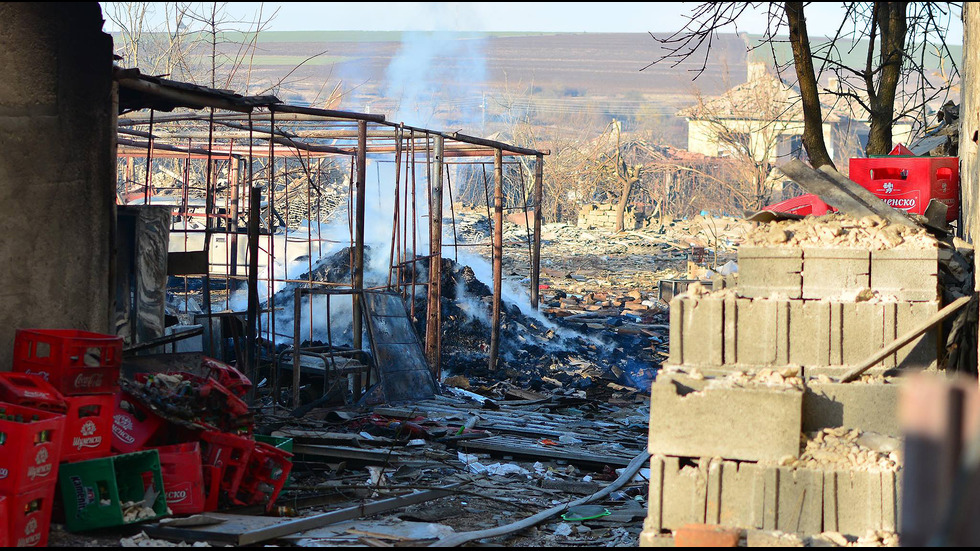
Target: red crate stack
[75,362]
[908,183]
[183,479]
[30,448]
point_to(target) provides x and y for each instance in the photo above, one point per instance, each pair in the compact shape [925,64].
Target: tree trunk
[623,200]
[813,140]
[891,20]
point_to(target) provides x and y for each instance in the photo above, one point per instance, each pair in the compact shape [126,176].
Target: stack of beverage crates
[67,427]
[214,462]
[55,408]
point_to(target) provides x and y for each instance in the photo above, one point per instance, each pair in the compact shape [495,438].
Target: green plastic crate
[285,444]
[93,491]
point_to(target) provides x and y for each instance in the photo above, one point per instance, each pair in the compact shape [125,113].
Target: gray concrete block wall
[815,273]
[751,424]
[753,496]
[820,337]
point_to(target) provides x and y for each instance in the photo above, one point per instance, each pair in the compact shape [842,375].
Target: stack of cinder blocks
[800,307]
[809,315]
[604,217]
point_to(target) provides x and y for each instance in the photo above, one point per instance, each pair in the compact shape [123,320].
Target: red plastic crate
[4,523]
[31,391]
[229,377]
[212,487]
[30,451]
[133,425]
[230,455]
[908,183]
[74,362]
[88,427]
[267,472]
[29,517]
[803,205]
[183,478]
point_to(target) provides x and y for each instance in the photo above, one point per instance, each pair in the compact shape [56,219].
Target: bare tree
[897,36]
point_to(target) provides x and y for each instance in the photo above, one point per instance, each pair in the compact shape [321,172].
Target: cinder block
[677,493]
[867,407]
[907,274]
[863,328]
[735,493]
[758,332]
[830,272]
[697,335]
[809,332]
[858,501]
[922,353]
[793,500]
[767,271]
[750,424]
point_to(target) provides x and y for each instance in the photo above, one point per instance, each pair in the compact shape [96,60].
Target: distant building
[763,118]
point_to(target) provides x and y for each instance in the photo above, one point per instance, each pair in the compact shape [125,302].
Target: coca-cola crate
[267,472]
[183,477]
[229,377]
[88,427]
[30,447]
[909,183]
[28,517]
[74,362]
[31,391]
[230,455]
[133,425]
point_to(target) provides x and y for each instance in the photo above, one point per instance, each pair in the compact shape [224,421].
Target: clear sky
[822,17]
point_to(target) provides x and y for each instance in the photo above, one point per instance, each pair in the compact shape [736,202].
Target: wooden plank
[248,530]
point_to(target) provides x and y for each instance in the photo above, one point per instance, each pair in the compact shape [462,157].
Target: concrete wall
[57,169]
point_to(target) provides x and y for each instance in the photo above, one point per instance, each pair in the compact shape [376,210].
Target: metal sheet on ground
[402,367]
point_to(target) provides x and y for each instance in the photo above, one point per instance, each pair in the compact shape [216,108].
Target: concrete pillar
[57,170]
[969,122]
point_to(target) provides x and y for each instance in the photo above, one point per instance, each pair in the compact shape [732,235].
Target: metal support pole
[433,322]
[536,251]
[251,329]
[358,268]
[498,253]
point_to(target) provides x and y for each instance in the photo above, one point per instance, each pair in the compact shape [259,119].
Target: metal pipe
[433,311]
[358,268]
[536,252]
[498,253]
